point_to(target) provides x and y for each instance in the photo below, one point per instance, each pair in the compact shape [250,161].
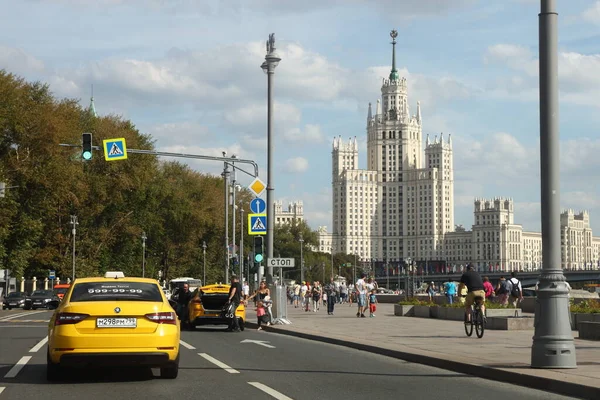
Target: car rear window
[110,291]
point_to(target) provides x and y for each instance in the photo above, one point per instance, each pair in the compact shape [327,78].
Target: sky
[188,73]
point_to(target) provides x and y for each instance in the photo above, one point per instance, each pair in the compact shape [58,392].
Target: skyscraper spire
[92,108]
[418,111]
[370,114]
[394,76]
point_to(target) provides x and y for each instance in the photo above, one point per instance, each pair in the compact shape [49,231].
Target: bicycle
[477,319]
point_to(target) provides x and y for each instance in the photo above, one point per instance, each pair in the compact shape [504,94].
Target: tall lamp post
[226,195]
[144,237]
[301,240]
[74,222]
[204,263]
[553,344]
[241,252]
[271,62]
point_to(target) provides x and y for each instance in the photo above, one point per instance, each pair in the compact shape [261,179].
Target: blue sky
[188,72]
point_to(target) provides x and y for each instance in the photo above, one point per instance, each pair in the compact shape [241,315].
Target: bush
[586,307]
[413,302]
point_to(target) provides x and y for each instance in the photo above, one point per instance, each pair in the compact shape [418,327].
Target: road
[217,364]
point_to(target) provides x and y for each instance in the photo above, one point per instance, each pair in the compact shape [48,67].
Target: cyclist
[472,280]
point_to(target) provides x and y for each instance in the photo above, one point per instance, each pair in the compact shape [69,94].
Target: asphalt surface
[217,364]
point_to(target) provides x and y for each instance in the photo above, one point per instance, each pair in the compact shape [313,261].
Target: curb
[564,388]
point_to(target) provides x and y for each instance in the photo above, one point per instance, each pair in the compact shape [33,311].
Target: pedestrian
[450,289]
[331,296]
[234,298]
[261,315]
[372,303]
[361,291]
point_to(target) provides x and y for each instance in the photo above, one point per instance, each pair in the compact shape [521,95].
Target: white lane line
[38,346]
[219,363]
[2,389]
[272,392]
[187,345]
[21,315]
[17,367]
[11,316]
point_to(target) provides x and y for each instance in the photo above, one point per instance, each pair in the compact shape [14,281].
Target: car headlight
[47,300]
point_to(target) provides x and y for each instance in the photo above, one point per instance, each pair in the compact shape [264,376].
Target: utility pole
[74,233]
[301,240]
[204,263]
[268,66]
[226,194]
[144,237]
[553,344]
[233,207]
[241,257]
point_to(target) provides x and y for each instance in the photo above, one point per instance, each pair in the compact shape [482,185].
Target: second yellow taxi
[206,306]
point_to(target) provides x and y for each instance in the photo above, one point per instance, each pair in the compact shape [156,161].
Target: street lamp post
[553,344]
[204,263]
[233,207]
[301,240]
[241,252]
[226,238]
[74,232]
[271,62]
[144,237]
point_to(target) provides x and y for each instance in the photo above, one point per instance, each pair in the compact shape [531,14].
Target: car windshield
[61,290]
[14,295]
[120,290]
[42,293]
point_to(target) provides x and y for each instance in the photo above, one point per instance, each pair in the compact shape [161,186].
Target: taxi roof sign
[257,186]
[114,274]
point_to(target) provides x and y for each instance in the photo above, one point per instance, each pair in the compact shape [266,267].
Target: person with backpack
[502,291]
[516,290]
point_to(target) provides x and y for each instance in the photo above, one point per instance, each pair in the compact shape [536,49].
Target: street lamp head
[144,237]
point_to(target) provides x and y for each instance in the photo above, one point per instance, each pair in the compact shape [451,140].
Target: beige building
[294,212]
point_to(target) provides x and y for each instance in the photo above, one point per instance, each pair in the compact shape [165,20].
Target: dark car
[40,299]
[14,300]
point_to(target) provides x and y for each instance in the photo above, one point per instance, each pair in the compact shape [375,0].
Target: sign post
[52,277]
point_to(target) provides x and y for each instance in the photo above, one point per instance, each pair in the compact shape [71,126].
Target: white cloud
[184,131]
[592,14]
[296,165]
[19,62]
[311,134]
[577,73]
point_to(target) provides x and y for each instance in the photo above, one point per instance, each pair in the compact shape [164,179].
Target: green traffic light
[87,155]
[258,257]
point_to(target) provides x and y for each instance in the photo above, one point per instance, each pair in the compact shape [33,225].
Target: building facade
[400,210]
[294,212]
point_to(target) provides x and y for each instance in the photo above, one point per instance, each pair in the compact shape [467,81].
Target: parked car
[206,307]
[40,299]
[14,300]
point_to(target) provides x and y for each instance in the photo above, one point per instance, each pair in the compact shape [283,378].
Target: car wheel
[10,308]
[53,371]
[34,308]
[170,371]
[241,323]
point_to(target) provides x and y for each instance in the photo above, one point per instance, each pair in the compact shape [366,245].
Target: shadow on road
[36,374]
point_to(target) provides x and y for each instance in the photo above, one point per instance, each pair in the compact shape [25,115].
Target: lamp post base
[553,344]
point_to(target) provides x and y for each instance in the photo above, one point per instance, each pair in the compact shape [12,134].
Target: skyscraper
[402,205]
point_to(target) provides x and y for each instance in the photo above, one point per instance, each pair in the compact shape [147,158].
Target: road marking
[259,342]
[2,389]
[8,318]
[219,363]
[187,345]
[39,345]
[17,367]
[272,392]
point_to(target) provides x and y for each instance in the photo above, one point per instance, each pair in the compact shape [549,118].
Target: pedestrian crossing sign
[115,149]
[257,224]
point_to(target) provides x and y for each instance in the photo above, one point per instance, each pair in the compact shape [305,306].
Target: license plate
[116,322]
[37,302]
[12,304]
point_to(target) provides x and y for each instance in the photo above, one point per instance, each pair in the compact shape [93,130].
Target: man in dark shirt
[472,280]
[183,298]
[235,296]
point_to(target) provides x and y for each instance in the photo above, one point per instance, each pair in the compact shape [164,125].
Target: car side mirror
[173,304]
[53,304]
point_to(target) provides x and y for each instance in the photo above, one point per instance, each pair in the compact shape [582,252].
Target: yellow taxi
[114,321]
[206,305]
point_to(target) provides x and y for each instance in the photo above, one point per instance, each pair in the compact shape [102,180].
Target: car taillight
[69,318]
[163,317]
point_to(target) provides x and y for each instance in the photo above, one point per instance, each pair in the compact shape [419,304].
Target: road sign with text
[281,262]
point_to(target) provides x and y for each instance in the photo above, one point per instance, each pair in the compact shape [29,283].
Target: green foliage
[586,307]
[413,302]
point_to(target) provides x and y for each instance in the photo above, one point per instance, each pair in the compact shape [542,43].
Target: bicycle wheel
[479,325]
[469,326]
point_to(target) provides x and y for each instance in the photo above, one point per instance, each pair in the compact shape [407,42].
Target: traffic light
[258,248]
[87,146]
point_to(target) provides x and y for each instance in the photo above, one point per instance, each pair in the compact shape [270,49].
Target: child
[261,314]
[372,303]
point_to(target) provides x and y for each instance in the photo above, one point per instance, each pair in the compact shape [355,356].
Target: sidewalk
[499,355]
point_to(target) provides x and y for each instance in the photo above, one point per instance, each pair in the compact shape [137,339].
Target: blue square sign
[257,224]
[115,149]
